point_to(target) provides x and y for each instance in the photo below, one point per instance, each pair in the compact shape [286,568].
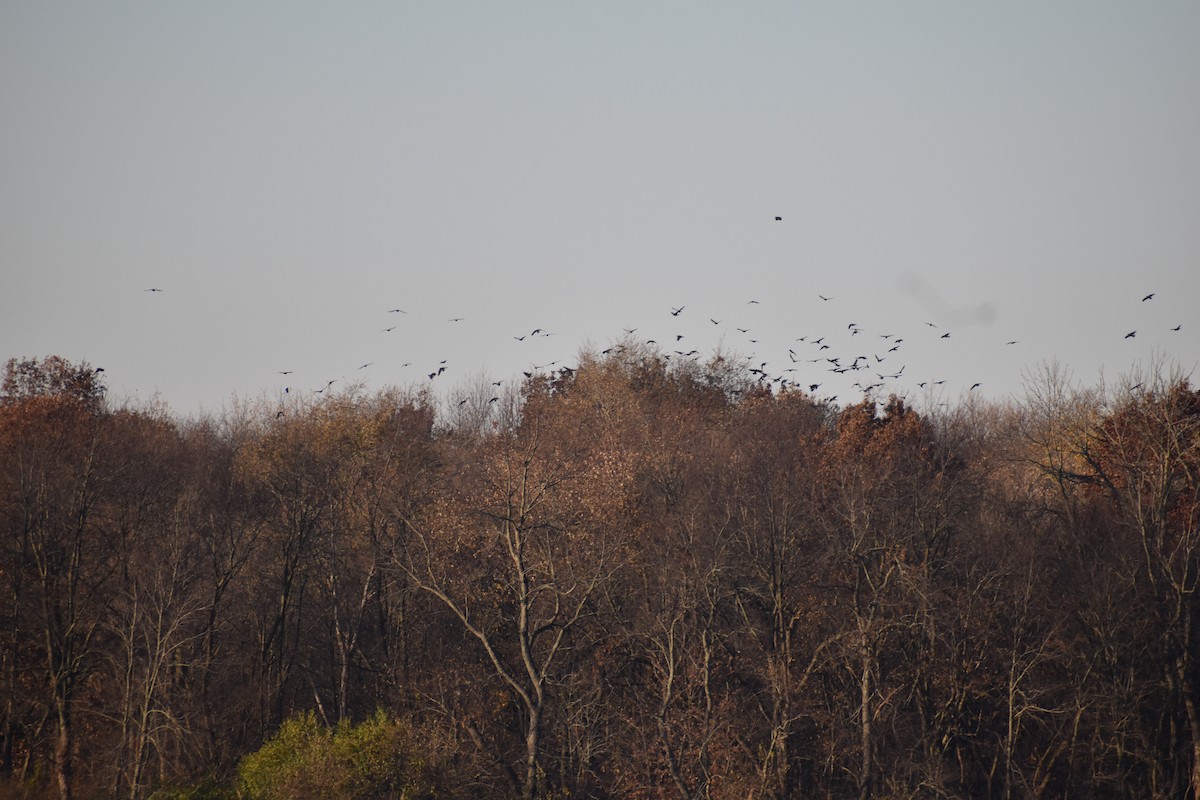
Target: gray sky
[288,172]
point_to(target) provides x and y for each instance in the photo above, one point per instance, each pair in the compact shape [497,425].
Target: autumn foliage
[644,579]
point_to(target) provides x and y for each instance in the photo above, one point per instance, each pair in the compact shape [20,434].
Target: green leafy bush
[374,759]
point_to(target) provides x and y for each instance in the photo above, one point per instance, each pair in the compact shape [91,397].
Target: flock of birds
[875,359]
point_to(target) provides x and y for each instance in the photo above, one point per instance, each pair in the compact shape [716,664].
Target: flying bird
[823,297]
[285,372]
[1131,334]
[397,311]
[457,319]
[154,290]
[779,219]
[1177,327]
[675,312]
[975,386]
[1147,297]
[945,336]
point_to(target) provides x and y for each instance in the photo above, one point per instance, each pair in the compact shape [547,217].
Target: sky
[286,173]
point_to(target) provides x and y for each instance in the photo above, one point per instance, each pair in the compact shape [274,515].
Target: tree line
[638,578]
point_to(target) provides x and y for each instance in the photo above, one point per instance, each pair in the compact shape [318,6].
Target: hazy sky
[286,173]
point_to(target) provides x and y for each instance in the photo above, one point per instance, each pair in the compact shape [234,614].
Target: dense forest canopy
[634,579]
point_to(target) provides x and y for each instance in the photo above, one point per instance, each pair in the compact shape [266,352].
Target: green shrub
[374,759]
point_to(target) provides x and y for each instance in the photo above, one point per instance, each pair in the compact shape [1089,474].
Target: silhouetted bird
[457,319]
[364,366]
[1177,327]
[975,386]
[1147,297]
[945,336]
[823,297]
[285,372]
[154,290]
[675,312]
[1014,341]
[1131,334]
[713,321]
[278,414]
[98,370]
[397,311]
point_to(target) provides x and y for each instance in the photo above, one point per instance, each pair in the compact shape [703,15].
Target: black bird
[1177,327]
[494,399]
[714,321]
[1147,297]
[743,330]
[752,302]
[278,414]
[779,219]
[975,386]
[678,336]
[397,311]
[285,372]
[823,297]
[1014,341]
[457,319]
[364,366]
[1131,334]
[945,336]
[519,338]
[154,290]
[675,312]
[98,370]
[389,330]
